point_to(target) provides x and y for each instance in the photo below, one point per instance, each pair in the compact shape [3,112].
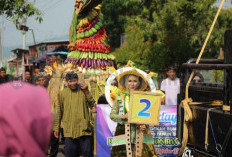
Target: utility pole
[1,48]
[1,42]
[24,47]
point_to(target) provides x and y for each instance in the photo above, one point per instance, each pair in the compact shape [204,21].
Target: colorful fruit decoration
[89,49]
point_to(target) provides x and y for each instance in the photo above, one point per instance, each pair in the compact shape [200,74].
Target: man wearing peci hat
[73,110]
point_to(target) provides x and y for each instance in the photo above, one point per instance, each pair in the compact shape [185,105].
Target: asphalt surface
[60,154]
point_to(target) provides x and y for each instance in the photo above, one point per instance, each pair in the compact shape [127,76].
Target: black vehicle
[210,131]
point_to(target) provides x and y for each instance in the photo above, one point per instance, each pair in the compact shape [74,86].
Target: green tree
[18,9]
[182,26]
[217,76]
[176,30]
[115,17]
[136,47]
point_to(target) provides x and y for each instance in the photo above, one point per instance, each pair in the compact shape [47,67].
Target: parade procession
[133,78]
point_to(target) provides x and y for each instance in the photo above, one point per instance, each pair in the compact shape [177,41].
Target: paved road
[60,154]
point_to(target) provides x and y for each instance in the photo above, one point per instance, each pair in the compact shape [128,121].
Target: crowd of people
[24,106]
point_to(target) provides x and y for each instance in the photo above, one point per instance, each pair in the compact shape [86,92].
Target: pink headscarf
[25,120]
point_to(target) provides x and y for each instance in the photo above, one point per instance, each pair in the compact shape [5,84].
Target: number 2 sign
[144,108]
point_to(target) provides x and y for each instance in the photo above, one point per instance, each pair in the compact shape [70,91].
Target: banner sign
[105,128]
[121,140]
[166,143]
[164,135]
[116,141]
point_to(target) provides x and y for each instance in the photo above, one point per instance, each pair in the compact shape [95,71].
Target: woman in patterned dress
[129,81]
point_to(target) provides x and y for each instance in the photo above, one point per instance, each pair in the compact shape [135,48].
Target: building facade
[24,58]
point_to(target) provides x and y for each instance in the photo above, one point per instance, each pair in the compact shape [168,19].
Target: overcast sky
[57,16]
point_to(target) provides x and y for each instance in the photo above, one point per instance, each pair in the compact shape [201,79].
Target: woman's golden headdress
[122,78]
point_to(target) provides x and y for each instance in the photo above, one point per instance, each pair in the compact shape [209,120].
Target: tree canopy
[18,9]
[115,17]
[162,33]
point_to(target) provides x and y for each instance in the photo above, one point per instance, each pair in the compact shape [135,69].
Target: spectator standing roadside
[54,85]
[28,77]
[73,110]
[36,71]
[4,77]
[41,79]
[171,87]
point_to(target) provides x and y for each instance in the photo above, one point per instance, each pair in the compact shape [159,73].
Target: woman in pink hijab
[25,120]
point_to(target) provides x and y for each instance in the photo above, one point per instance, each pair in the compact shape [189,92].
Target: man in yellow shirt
[73,109]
